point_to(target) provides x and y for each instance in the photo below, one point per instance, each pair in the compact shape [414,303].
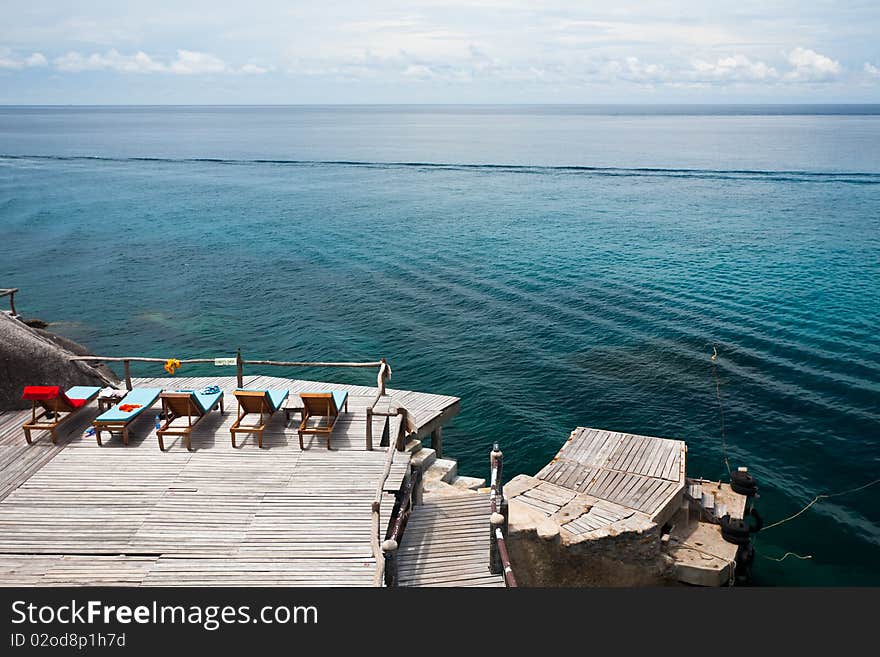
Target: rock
[548,529]
[442,469]
[519,485]
[470,483]
[423,458]
[35,357]
[524,519]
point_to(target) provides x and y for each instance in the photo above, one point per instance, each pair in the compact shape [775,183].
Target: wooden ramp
[446,543]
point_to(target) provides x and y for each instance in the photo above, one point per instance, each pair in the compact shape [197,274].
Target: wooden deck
[79,514]
[446,543]
[603,481]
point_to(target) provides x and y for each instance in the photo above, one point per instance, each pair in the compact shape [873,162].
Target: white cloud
[736,68]
[190,62]
[810,66]
[253,69]
[872,70]
[12,62]
[631,69]
[112,60]
[36,59]
[419,71]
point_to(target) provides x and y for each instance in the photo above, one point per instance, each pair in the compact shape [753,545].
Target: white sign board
[224,361]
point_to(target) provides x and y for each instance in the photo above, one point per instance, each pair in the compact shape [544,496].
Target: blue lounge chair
[189,404]
[320,412]
[264,402]
[125,412]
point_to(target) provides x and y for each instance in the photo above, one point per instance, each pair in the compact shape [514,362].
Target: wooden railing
[385,553]
[499,560]
[10,292]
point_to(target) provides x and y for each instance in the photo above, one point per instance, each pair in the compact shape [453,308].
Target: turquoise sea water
[552,266]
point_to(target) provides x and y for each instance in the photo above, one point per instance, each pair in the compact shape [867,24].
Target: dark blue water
[554,267]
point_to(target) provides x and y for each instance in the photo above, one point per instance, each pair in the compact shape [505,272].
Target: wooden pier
[78,514]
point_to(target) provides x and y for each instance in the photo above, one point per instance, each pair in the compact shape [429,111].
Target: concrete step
[424,458]
[442,470]
[413,446]
[468,483]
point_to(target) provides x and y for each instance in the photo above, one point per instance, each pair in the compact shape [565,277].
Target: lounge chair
[320,412]
[264,402]
[57,407]
[189,404]
[125,412]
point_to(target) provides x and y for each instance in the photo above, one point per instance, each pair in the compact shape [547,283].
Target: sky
[422,51]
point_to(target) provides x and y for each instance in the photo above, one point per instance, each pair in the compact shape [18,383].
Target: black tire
[735,530]
[743,483]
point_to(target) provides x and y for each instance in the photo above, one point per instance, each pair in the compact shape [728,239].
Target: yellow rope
[822,496]
[787,554]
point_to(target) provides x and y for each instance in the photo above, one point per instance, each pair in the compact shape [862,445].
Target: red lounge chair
[57,407]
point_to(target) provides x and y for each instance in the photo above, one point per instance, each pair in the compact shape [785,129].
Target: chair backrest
[52,398]
[319,403]
[254,401]
[181,403]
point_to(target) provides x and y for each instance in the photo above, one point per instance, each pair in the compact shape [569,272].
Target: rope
[822,496]
[787,554]
[714,358]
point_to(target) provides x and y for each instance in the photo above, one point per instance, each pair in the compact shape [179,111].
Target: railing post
[437,441]
[400,440]
[127,365]
[383,369]
[389,551]
[496,463]
[369,445]
[496,520]
[416,474]
[239,366]
[12,302]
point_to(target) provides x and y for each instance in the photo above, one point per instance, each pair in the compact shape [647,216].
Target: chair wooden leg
[27,436]
[53,436]
[98,437]
[161,442]
[260,439]
[328,441]
[125,435]
[301,446]
[188,444]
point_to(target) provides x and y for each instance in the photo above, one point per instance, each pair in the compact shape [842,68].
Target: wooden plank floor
[446,543]
[79,514]
[642,473]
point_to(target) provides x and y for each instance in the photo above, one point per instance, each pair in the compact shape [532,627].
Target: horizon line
[512,104]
